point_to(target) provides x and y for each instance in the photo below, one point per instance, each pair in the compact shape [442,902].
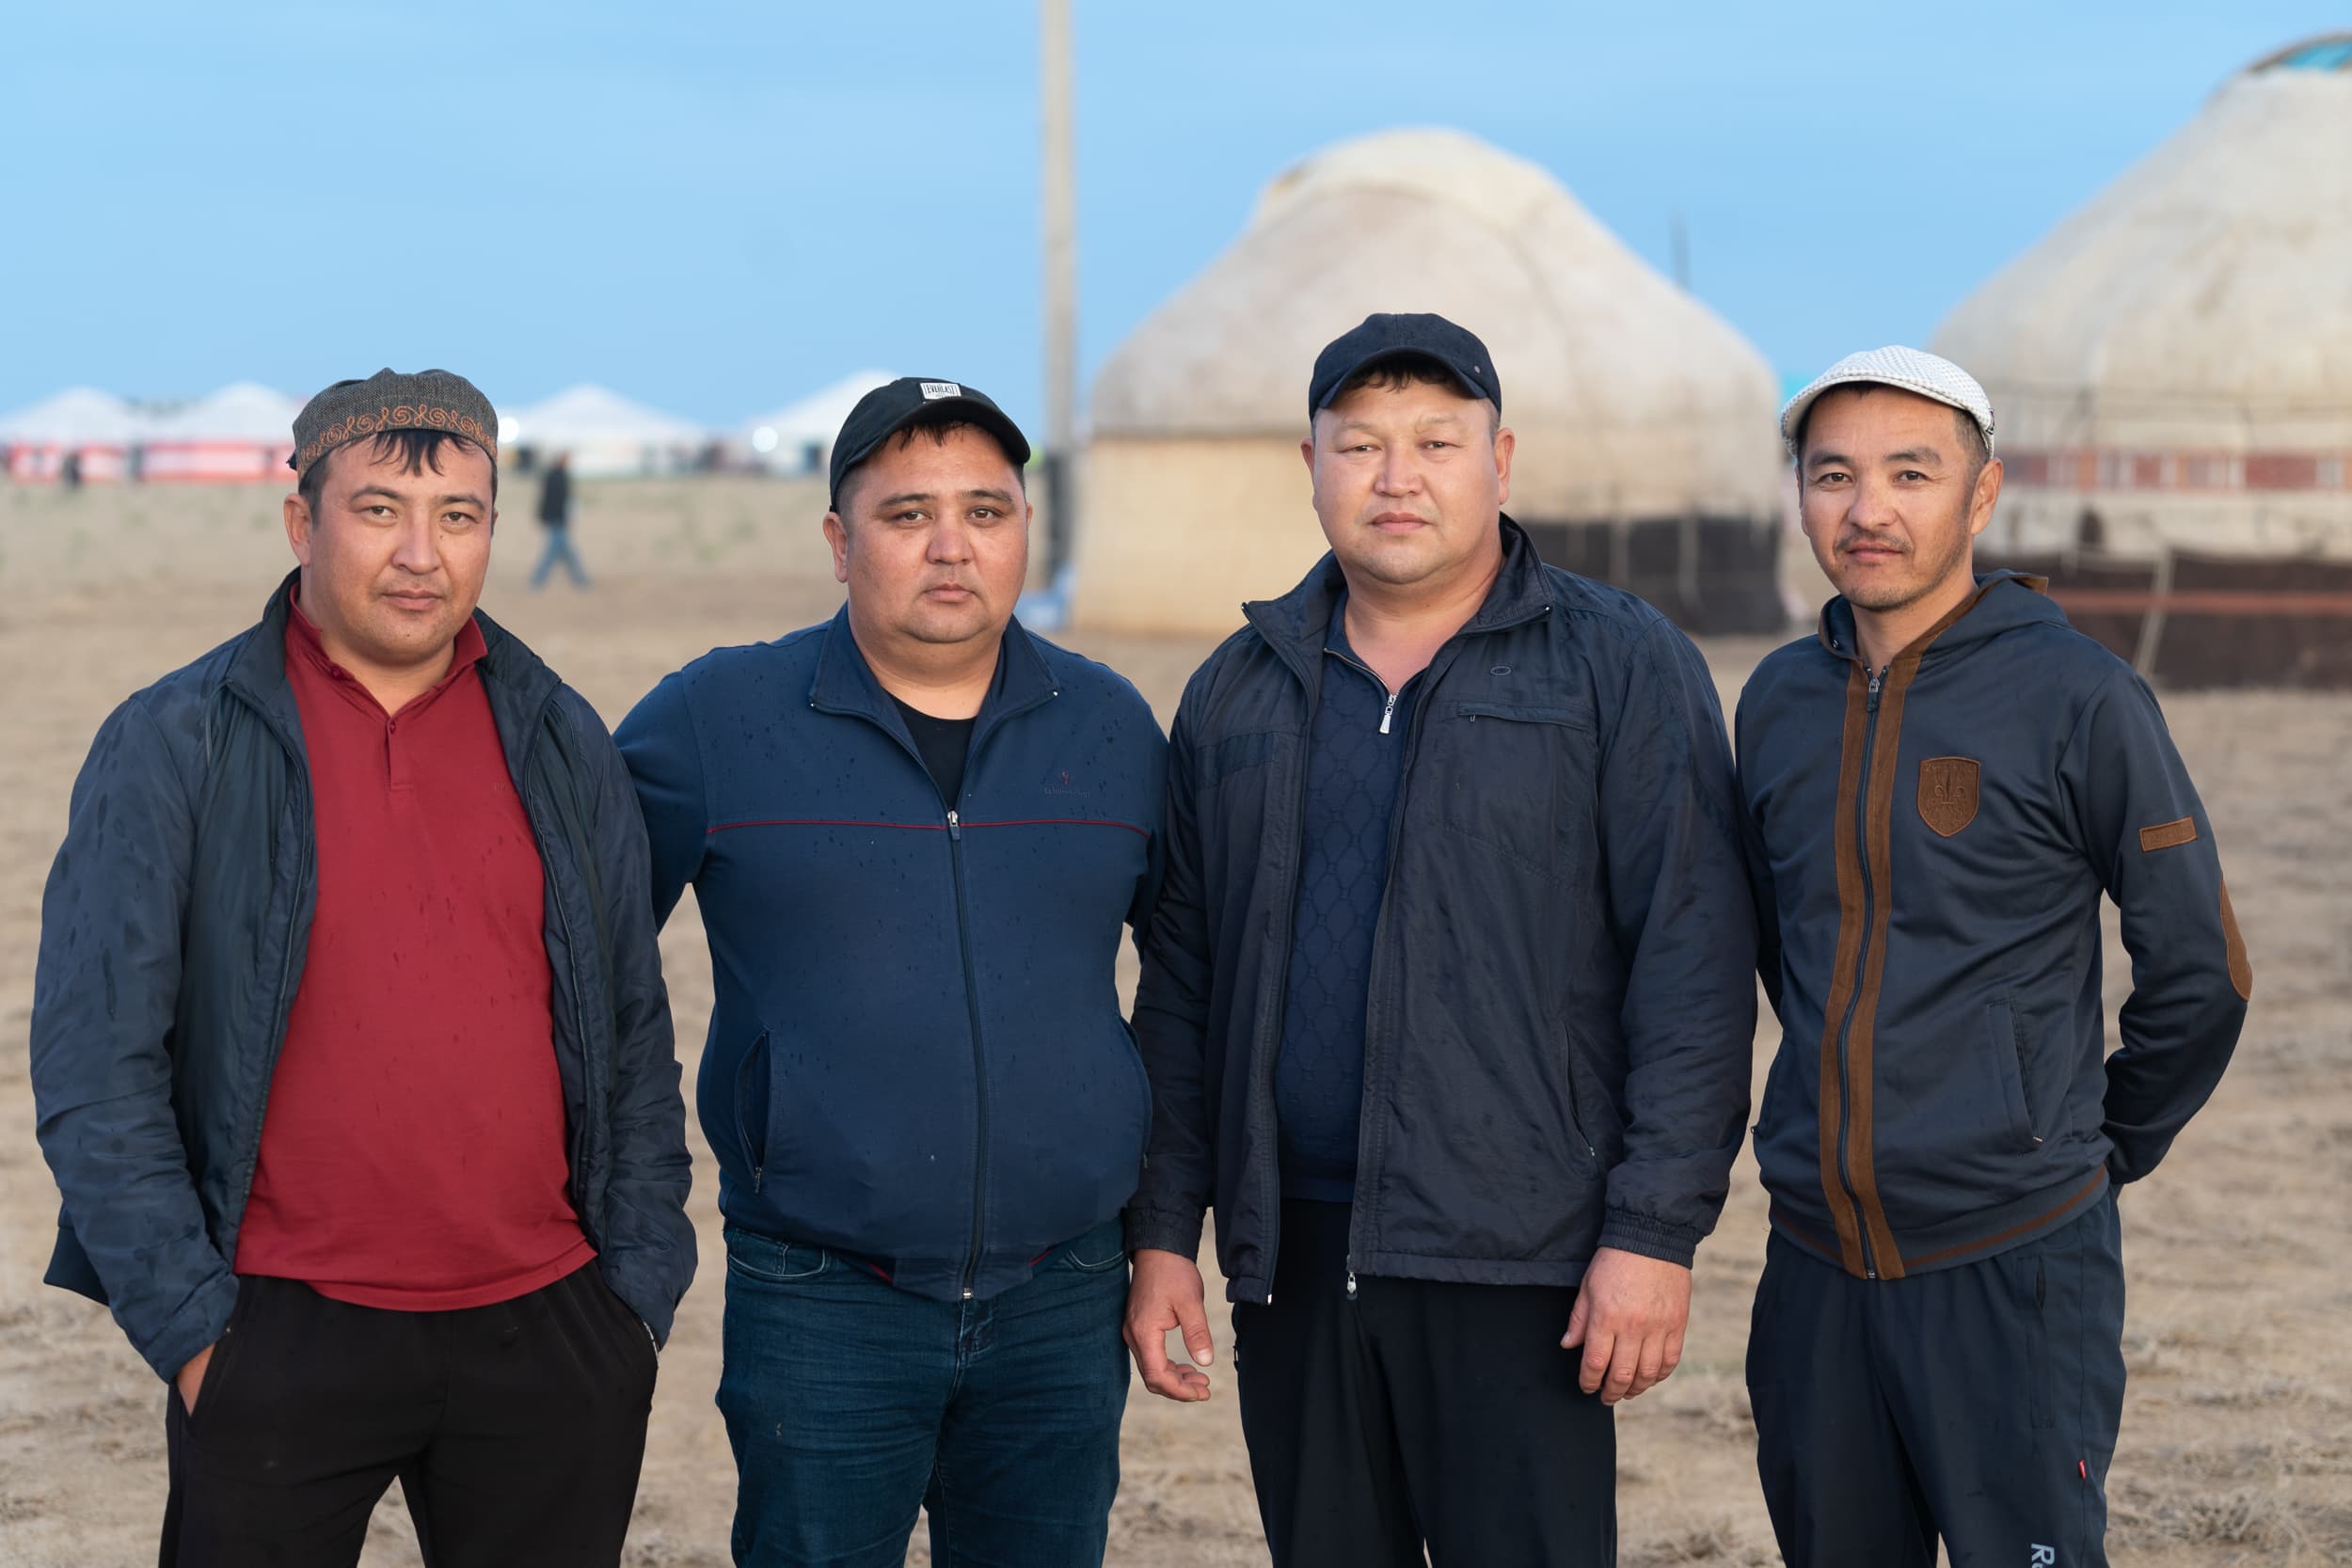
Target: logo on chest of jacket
[1948,793]
[1059,781]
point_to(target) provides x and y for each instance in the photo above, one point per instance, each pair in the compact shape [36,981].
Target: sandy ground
[2238,1442]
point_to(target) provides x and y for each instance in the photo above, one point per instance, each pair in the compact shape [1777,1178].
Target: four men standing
[353,1063]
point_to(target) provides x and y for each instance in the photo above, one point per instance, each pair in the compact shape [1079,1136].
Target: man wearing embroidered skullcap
[1939,786]
[350,1044]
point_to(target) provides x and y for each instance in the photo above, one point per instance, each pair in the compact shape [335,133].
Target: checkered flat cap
[1908,369]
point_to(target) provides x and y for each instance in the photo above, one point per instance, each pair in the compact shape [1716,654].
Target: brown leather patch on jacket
[2166,835]
[1948,793]
[2233,946]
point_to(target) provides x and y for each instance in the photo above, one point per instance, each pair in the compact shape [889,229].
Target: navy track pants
[1976,1405]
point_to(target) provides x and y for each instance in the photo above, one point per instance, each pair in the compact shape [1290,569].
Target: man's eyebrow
[392,495]
[1917,455]
[1825,456]
[903,497]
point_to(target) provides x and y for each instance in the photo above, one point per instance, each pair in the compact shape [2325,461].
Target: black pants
[515,1429]
[1417,1412]
[1978,1404]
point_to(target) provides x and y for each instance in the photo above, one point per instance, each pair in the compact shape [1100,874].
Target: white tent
[605,432]
[2172,372]
[798,438]
[99,426]
[242,432]
[1639,411]
[2176,356]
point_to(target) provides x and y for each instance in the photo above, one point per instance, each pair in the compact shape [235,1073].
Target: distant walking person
[555,515]
[1447,1006]
[350,1045]
[1940,784]
[916,834]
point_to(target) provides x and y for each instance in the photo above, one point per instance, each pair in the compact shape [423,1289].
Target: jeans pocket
[769,1261]
[1098,1251]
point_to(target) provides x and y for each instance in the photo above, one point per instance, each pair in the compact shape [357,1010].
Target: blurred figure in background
[555,515]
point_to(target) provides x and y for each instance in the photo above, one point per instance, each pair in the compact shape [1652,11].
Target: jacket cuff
[1624,1231]
[1165,1230]
[195,1327]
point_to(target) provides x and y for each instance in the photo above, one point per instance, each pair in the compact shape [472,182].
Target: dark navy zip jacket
[916,1055]
[1562,997]
[172,937]
[1929,843]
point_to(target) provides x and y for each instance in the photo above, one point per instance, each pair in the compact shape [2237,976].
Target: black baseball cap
[890,408]
[1390,337]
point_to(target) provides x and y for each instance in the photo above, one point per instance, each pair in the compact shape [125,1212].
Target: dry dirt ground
[2238,1441]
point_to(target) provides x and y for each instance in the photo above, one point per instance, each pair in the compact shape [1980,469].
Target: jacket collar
[517,681]
[845,683]
[1297,624]
[1983,615]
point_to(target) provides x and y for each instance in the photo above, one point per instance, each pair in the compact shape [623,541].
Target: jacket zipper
[980,736]
[979,1060]
[579,992]
[1861,960]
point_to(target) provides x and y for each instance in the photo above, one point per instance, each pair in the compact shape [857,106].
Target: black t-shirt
[943,743]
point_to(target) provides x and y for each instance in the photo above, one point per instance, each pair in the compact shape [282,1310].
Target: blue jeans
[559,550]
[849,1404]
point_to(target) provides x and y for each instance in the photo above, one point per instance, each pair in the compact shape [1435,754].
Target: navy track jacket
[1930,843]
[1563,1001]
[172,938]
[916,1055]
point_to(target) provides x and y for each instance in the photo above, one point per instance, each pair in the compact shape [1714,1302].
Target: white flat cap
[1894,365]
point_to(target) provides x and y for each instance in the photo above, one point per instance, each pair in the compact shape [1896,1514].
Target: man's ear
[837,535]
[298,524]
[1987,495]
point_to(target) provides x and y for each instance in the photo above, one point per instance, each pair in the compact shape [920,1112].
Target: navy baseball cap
[891,407]
[1390,337]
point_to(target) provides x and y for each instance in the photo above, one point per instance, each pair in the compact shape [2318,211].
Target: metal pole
[1061,284]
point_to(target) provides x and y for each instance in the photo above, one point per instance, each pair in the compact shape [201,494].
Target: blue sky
[716,207]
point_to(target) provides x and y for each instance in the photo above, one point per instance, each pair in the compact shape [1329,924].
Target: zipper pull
[955,830]
[1387,713]
[759,1174]
[1875,677]
[1351,1284]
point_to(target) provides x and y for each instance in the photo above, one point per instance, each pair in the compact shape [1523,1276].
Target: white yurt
[242,433]
[1646,447]
[798,438]
[97,427]
[606,433]
[2172,373]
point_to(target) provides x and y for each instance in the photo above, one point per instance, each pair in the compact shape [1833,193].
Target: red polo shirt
[413,1150]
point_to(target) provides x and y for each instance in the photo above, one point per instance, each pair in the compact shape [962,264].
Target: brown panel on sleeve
[2166,835]
[2241,967]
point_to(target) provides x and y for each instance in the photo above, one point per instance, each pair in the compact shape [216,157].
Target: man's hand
[1629,1316]
[1165,1294]
[190,1378]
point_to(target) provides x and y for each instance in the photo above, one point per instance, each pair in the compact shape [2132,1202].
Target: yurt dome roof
[2210,284]
[1607,368]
